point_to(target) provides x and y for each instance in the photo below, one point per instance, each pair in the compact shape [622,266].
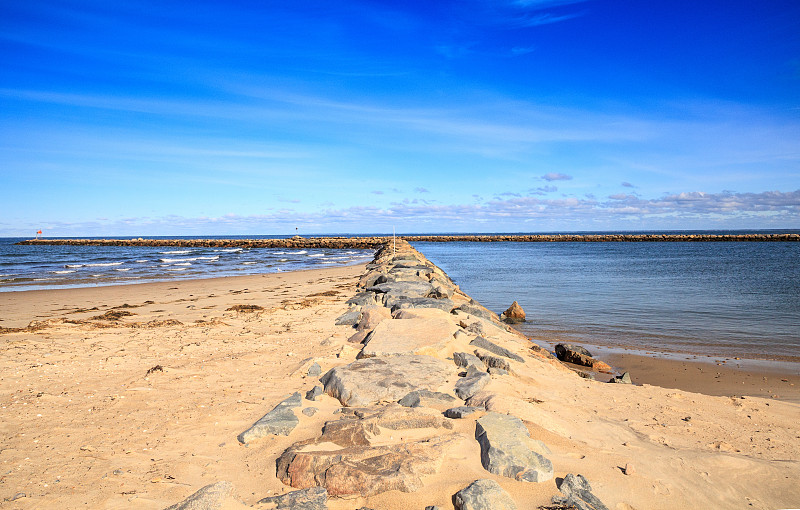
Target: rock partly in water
[514,315]
[408,336]
[363,470]
[577,355]
[507,449]
[386,378]
[625,378]
[495,349]
[210,497]
[578,494]
[471,384]
[427,398]
[313,498]
[483,495]
[280,421]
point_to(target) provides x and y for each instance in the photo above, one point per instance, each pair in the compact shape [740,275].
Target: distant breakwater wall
[376,242]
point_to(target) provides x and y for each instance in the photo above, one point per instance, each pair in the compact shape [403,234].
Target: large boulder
[483,495]
[363,470]
[281,420]
[385,378]
[409,336]
[507,449]
[514,315]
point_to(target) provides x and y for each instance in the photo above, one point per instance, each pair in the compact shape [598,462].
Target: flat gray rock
[348,318]
[478,311]
[364,299]
[578,493]
[280,421]
[400,303]
[466,360]
[314,370]
[472,384]
[209,497]
[507,449]
[461,411]
[385,378]
[483,495]
[409,336]
[493,361]
[427,398]
[310,411]
[403,289]
[495,349]
[314,498]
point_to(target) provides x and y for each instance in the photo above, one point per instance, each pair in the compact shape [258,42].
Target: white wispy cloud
[556,176]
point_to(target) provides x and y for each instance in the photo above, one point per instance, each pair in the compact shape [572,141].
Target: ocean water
[48,267]
[719,298]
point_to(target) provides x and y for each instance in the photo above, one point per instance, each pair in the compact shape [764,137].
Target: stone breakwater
[426,389]
[377,242]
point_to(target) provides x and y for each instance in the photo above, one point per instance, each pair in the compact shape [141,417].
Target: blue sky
[191,118]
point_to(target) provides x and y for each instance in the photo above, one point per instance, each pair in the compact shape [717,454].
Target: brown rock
[601,366]
[515,313]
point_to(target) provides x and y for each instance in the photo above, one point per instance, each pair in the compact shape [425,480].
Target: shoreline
[708,375]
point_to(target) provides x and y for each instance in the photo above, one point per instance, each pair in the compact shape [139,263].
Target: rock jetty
[376,242]
[424,389]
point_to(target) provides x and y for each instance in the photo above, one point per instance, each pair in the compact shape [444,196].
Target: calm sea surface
[47,267]
[717,298]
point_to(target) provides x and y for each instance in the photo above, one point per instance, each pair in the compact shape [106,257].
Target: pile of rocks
[427,355]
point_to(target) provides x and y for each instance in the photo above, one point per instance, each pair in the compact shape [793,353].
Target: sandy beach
[134,396]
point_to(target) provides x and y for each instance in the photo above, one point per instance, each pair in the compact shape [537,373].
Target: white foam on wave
[301,252]
[142,261]
[231,250]
[178,260]
[58,272]
[73,265]
[184,264]
[179,269]
[122,269]
[248,263]
[317,255]
[283,260]
[279,253]
[175,252]
[104,264]
[215,257]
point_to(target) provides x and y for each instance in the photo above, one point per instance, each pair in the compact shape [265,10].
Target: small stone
[578,493]
[18,495]
[466,360]
[432,507]
[313,393]
[498,371]
[468,386]
[483,495]
[622,379]
[461,411]
[629,470]
[310,411]
[314,370]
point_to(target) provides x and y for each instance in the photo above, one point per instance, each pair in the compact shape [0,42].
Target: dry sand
[142,412]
